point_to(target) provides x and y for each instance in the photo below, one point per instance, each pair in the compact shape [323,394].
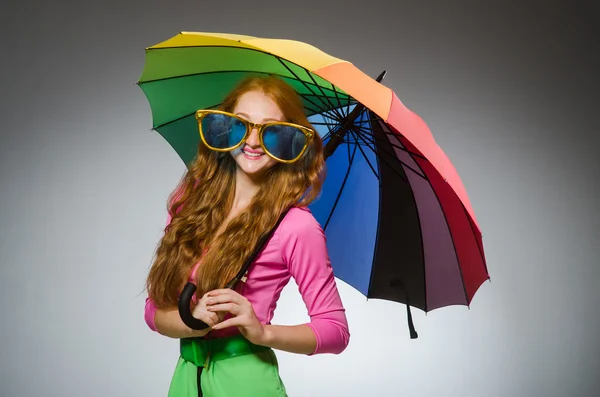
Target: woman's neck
[245,190]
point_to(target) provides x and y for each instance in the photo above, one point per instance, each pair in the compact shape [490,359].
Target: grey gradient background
[510,91]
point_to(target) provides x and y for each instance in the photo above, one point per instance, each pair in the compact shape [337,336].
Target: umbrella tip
[381,76]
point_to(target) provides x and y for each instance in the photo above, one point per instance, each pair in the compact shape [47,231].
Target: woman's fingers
[203,314]
[230,322]
[225,307]
[222,291]
[211,316]
[207,317]
[225,296]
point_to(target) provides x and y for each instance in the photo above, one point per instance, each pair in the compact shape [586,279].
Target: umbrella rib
[347,141]
[226,71]
[480,248]
[350,157]
[301,81]
[451,239]
[317,96]
[228,47]
[337,199]
[335,122]
[412,194]
[368,141]
[362,136]
[345,110]
[386,162]
[328,125]
[307,97]
[209,107]
[332,108]
[320,123]
[368,120]
[397,138]
[248,71]
[337,110]
[181,118]
[337,114]
[306,84]
[462,280]
[338,99]
[314,110]
[321,89]
[351,130]
[400,143]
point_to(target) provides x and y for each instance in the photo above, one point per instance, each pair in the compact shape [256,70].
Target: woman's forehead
[258,107]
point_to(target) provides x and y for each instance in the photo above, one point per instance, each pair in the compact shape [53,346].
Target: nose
[253,140]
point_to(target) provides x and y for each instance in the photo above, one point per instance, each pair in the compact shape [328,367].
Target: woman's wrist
[195,333]
[294,339]
[267,336]
[169,323]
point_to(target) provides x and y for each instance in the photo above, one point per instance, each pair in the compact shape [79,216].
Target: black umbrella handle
[184,308]
[185,298]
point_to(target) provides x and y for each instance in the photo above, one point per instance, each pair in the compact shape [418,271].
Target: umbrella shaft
[338,136]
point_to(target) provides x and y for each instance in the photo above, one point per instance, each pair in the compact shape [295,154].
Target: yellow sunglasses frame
[308,132]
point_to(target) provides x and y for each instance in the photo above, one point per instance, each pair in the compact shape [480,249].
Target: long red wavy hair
[203,198]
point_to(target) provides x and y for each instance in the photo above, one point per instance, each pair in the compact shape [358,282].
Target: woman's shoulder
[301,240]
[300,218]
[299,222]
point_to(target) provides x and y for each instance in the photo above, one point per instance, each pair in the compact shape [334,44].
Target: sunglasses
[223,131]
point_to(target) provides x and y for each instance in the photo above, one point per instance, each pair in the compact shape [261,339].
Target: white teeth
[253,154]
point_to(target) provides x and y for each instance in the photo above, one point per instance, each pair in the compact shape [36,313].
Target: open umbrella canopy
[398,221]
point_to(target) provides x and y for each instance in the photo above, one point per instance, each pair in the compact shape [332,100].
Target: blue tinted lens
[222,131]
[284,142]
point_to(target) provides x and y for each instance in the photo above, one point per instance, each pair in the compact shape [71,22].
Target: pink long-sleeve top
[296,250]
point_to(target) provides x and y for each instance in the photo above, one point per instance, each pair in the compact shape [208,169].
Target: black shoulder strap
[260,245]
[186,295]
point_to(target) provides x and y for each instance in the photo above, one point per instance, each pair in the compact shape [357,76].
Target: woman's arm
[290,338]
[294,339]
[167,322]
[304,250]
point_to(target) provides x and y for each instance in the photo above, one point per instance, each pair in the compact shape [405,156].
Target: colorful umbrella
[398,221]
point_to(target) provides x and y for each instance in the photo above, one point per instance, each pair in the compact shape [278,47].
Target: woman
[235,191]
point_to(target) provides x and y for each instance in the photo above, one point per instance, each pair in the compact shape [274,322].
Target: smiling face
[257,107]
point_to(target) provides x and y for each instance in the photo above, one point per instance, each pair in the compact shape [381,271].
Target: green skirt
[222,367]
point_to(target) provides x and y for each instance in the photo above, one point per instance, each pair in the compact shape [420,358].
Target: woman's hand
[243,316]
[208,317]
